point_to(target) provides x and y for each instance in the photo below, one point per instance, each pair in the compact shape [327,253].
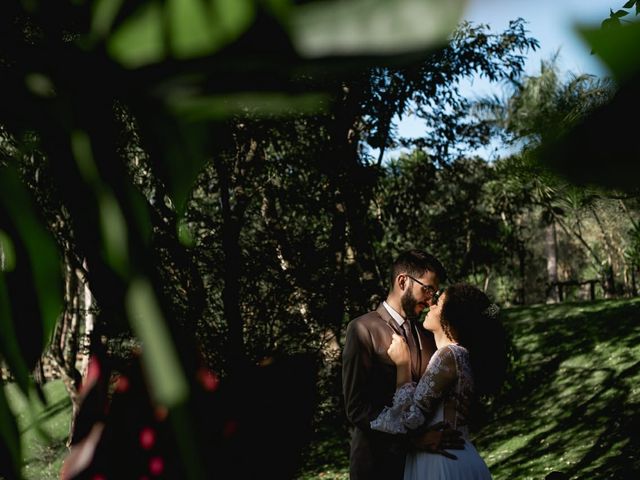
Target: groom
[369,375]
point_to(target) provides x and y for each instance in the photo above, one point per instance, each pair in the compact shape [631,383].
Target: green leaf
[629,4]
[139,39]
[7,253]
[618,48]
[201,27]
[189,25]
[609,23]
[621,13]
[83,155]
[181,29]
[9,439]
[232,16]
[113,226]
[370,27]
[9,347]
[185,235]
[183,151]
[279,8]
[258,103]
[43,254]
[104,13]
[140,211]
[40,85]
[114,233]
[168,384]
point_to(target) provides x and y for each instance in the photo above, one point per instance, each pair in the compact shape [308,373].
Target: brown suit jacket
[368,385]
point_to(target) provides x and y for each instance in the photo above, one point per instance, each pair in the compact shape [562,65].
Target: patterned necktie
[411,341]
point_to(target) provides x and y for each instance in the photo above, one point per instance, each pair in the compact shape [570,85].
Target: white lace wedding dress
[443,393]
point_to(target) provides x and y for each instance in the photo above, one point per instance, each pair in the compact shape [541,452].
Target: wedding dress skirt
[433,466]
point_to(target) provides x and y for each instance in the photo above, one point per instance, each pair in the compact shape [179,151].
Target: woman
[470,360]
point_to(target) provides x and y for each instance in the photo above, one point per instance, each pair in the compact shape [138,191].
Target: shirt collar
[395,315]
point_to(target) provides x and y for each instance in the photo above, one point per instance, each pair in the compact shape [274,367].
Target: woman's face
[432,320]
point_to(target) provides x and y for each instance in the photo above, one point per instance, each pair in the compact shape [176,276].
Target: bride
[470,361]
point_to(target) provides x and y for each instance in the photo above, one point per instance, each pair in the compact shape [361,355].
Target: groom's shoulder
[372,316]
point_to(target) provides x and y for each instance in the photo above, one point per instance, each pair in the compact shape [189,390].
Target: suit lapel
[388,319]
[416,353]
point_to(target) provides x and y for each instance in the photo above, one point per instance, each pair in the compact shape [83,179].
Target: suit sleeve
[356,371]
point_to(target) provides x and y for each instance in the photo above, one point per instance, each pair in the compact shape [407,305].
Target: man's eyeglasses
[428,289]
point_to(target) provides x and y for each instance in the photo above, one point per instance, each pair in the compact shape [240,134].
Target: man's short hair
[415,262]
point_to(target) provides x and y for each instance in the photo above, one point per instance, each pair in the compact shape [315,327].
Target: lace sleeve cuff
[392,419]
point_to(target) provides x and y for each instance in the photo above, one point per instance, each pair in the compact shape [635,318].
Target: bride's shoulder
[446,352]
[451,347]
[453,350]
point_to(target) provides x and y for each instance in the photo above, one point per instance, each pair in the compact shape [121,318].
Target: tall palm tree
[538,110]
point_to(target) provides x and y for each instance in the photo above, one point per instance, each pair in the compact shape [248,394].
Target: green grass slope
[576,404]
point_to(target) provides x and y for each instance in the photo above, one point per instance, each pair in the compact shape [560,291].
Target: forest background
[190,200]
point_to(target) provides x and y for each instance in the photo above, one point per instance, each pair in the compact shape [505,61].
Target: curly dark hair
[465,320]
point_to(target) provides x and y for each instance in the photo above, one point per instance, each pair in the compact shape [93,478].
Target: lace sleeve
[413,405]
[439,378]
[391,419]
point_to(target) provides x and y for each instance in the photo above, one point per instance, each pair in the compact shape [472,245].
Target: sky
[552,23]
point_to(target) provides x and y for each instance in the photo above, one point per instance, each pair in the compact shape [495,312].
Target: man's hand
[438,439]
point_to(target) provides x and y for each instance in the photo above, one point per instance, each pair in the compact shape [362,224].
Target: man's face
[419,293]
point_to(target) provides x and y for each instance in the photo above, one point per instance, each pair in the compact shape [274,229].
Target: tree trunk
[608,276]
[551,250]
[608,281]
[68,350]
[232,172]
[354,184]
[522,291]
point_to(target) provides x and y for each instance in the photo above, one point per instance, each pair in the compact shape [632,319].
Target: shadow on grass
[576,405]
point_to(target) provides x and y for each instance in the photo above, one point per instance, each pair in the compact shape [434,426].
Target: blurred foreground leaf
[168,384]
[617,47]
[10,451]
[43,257]
[597,151]
[368,27]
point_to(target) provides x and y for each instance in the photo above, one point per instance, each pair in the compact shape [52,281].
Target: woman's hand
[398,351]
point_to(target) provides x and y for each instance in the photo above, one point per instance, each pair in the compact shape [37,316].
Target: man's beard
[409,304]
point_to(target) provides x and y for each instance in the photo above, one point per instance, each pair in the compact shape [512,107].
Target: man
[369,375]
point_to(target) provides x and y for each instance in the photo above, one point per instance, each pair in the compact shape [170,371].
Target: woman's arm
[439,378]
[414,404]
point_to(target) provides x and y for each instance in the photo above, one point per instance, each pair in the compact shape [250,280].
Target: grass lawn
[43,430]
[574,406]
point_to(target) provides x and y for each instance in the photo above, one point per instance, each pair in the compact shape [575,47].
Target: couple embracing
[409,388]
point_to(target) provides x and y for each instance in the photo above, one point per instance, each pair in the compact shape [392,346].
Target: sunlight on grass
[576,407]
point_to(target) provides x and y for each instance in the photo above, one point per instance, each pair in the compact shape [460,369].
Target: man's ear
[401,280]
